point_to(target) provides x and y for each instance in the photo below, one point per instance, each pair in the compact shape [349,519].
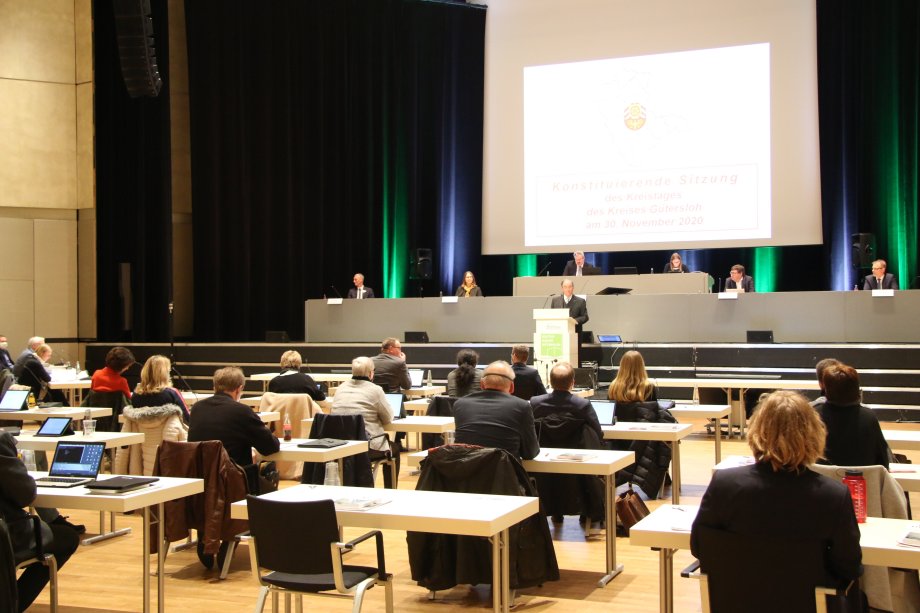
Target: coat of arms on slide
[634,116]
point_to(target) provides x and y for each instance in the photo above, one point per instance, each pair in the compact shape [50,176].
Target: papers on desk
[571,457]
[654,426]
[681,518]
[358,504]
[911,538]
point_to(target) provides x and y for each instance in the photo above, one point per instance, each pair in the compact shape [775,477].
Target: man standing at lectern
[879,279]
[578,308]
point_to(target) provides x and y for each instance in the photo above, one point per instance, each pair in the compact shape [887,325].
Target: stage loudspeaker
[136,48]
[423,266]
[863,250]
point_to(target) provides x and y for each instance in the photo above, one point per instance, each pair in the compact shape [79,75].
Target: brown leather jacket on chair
[209,512]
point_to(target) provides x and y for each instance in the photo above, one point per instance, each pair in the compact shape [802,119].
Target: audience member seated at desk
[464,379]
[360,395]
[469,288]
[17,490]
[778,495]
[30,370]
[632,383]
[577,267]
[675,264]
[568,421]
[292,381]
[223,418]
[360,291]
[879,279]
[109,378]
[527,381]
[854,436]
[6,361]
[155,387]
[739,281]
[820,367]
[390,370]
[493,417]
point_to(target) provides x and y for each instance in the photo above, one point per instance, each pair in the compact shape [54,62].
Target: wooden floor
[107,576]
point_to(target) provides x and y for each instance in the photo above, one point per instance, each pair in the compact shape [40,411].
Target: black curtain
[133,190]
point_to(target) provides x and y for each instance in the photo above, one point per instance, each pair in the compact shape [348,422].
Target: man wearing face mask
[6,361]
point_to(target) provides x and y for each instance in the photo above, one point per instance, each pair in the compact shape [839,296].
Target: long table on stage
[689,283]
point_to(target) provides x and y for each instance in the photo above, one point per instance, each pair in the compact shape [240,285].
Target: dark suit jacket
[888,282]
[586,269]
[368,293]
[221,418]
[566,402]
[854,436]
[747,284]
[491,418]
[296,383]
[527,381]
[391,373]
[30,371]
[6,361]
[578,309]
[756,500]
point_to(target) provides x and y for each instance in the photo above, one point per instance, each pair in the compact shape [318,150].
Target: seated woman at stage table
[464,379]
[155,388]
[778,495]
[292,381]
[675,264]
[632,383]
[469,288]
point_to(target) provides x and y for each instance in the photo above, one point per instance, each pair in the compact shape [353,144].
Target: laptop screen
[396,401]
[14,400]
[416,375]
[74,459]
[604,410]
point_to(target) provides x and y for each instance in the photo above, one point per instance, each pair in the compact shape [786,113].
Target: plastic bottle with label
[287,427]
[855,481]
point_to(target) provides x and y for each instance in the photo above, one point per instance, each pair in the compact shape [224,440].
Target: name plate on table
[728,295]
[449,299]
[883,293]
[333,301]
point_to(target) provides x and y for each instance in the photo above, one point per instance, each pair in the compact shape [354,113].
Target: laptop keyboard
[60,479]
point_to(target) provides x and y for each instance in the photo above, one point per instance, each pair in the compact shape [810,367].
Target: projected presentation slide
[671,146]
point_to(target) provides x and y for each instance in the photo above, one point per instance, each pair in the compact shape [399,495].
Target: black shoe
[222,555]
[60,520]
[558,519]
[207,559]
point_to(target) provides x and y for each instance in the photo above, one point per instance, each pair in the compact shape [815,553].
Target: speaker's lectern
[554,340]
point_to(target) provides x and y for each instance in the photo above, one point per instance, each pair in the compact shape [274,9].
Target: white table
[603,463]
[167,488]
[729,384]
[75,413]
[416,407]
[902,439]
[878,540]
[716,412]
[425,391]
[28,440]
[422,511]
[292,453]
[73,389]
[669,433]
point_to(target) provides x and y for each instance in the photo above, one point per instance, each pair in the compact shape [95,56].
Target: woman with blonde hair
[778,495]
[155,388]
[632,383]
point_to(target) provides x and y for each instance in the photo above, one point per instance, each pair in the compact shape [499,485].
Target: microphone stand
[173,371]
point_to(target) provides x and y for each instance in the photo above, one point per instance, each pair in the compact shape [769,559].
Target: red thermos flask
[857,483]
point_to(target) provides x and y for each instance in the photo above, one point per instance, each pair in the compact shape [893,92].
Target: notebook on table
[117,485]
[75,463]
[322,443]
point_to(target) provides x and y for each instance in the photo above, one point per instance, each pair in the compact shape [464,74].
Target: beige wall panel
[181,155]
[83,32]
[38,148]
[17,252]
[16,318]
[183,279]
[86,273]
[56,277]
[86,173]
[178,54]
[37,40]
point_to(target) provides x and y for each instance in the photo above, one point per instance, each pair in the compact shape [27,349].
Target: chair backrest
[637,411]
[761,573]
[9,597]
[441,406]
[561,429]
[884,495]
[6,380]
[113,400]
[349,427]
[302,546]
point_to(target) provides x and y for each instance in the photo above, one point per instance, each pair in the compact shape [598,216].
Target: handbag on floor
[630,509]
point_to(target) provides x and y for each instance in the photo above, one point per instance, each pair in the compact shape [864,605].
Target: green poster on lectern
[551,345]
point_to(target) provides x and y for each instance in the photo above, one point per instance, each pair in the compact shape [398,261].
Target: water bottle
[855,481]
[87,414]
[332,474]
[287,427]
[429,378]
[32,402]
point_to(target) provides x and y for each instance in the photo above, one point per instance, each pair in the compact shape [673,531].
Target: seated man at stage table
[390,370]
[493,417]
[577,267]
[879,279]
[360,291]
[737,280]
[527,381]
[578,308]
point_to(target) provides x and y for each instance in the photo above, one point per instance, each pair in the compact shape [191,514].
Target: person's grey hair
[35,341]
[358,274]
[497,376]
[578,253]
[567,280]
[388,343]
[291,359]
[362,367]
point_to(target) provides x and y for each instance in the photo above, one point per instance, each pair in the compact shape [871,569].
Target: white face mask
[4,345]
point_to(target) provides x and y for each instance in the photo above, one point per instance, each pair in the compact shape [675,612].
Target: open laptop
[396,405]
[75,463]
[416,375]
[606,412]
[14,400]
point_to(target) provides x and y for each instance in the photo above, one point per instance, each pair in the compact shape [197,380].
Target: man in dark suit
[360,291]
[879,279]
[578,268]
[390,370]
[6,361]
[494,418]
[578,308]
[738,280]
[562,400]
[527,381]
